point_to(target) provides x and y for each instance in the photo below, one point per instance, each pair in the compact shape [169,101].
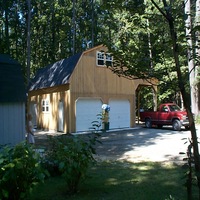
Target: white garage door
[119,115]
[86,113]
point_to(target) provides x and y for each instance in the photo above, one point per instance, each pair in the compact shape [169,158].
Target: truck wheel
[187,127]
[159,125]
[176,125]
[148,123]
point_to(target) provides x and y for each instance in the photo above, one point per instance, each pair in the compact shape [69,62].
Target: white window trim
[102,56]
[45,106]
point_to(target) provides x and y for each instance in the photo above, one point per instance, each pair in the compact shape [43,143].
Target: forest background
[134,31]
[148,38]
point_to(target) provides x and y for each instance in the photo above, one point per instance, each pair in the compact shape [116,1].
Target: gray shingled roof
[12,87]
[54,74]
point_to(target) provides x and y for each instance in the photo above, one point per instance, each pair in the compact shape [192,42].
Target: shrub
[72,155]
[197,120]
[20,170]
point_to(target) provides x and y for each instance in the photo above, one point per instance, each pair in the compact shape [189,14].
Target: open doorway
[33,111]
[146,100]
[61,116]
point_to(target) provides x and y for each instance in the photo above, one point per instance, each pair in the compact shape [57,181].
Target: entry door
[61,116]
[33,111]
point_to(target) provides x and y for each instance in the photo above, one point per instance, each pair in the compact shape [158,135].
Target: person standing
[30,130]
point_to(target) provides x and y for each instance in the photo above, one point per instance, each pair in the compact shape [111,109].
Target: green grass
[120,180]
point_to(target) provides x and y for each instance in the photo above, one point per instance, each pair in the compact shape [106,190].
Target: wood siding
[90,80]
[87,81]
[49,120]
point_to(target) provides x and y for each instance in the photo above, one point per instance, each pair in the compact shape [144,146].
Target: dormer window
[100,58]
[109,59]
[104,59]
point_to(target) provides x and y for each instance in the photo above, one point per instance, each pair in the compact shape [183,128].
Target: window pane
[108,63]
[100,58]
[108,57]
[100,55]
[100,62]
[45,105]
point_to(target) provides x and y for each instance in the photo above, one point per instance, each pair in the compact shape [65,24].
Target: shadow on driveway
[135,145]
[143,145]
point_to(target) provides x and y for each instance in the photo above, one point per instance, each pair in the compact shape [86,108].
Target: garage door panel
[86,113]
[119,115]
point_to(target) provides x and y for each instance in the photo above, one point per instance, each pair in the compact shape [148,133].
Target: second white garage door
[86,112]
[119,115]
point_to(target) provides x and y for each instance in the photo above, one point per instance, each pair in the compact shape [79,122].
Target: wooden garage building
[67,96]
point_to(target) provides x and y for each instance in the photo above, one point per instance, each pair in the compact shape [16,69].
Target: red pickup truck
[167,114]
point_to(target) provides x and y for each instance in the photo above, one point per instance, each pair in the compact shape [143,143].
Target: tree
[28,41]
[197,55]
[51,29]
[192,50]
[170,19]
[130,49]
[130,25]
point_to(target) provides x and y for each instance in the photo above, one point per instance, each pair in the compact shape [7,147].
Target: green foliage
[20,170]
[72,155]
[170,198]
[146,100]
[197,120]
[190,175]
[102,122]
[52,29]
[141,45]
[97,124]
[134,31]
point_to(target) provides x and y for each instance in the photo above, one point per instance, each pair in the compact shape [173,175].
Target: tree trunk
[190,55]
[28,41]
[187,103]
[92,23]
[5,3]
[197,52]
[74,28]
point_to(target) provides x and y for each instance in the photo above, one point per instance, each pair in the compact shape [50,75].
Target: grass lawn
[120,181]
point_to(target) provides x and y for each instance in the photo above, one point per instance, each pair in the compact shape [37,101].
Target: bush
[72,155]
[20,170]
[197,120]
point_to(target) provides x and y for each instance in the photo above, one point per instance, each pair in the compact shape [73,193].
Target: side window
[45,105]
[164,109]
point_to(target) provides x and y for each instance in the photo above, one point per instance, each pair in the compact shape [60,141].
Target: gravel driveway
[137,144]
[142,144]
